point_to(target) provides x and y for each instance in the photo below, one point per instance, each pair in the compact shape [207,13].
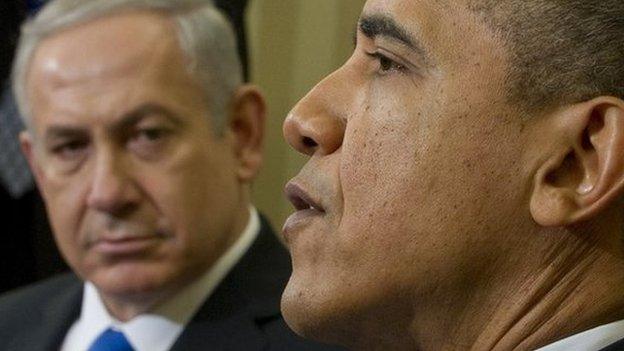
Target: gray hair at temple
[205,36]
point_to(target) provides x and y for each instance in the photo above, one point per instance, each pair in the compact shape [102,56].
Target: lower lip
[125,247]
[298,219]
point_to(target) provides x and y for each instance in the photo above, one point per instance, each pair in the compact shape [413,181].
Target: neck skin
[555,290]
[125,307]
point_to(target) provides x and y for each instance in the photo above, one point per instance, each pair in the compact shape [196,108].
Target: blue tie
[111,340]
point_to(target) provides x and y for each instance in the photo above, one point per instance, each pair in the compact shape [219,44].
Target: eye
[386,64]
[147,142]
[151,134]
[70,150]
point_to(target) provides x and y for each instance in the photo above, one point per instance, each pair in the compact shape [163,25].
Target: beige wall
[293,45]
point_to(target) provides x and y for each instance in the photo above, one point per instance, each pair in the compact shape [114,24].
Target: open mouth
[307,210]
[300,199]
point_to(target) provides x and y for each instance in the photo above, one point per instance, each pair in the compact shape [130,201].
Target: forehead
[113,43]
[104,67]
[448,30]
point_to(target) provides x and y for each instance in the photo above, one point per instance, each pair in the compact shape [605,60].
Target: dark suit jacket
[242,314]
[617,346]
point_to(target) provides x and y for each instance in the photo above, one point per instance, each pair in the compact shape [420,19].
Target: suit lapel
[223,323]
[233,316]
[62,310]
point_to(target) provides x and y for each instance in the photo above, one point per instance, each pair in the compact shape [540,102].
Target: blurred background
[288,46]
[293,45]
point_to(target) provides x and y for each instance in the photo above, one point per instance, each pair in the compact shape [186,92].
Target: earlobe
[247,120]
[585,173]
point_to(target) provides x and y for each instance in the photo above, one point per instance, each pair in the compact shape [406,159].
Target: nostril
[309,142]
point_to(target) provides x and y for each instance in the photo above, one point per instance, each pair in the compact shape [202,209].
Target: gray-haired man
[143,142]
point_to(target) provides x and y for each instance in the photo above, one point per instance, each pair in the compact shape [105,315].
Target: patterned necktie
[111,340]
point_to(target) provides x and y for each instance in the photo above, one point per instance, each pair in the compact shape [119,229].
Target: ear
[584,174]
[28,149]
[246,125]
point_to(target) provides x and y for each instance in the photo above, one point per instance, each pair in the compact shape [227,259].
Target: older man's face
[140,192]
[414,178]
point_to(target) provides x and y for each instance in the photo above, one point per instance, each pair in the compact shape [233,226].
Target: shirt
[590,340]
[158,329]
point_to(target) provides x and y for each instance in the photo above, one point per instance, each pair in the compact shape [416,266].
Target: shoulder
[25,305]
[38,292]
[37,317]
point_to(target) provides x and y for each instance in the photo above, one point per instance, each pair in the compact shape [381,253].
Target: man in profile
[465,181]
[144,141]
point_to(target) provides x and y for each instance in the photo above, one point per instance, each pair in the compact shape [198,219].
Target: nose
[316,125]
[113,190]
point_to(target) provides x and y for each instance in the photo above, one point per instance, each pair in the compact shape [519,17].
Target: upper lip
[301,199]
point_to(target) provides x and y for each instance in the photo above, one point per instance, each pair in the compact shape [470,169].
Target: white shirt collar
[159,329]
[590,340]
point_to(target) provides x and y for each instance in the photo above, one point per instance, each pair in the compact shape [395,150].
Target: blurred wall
[293,45]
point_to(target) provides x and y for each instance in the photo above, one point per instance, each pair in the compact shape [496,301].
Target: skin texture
[444,217]
[141,193]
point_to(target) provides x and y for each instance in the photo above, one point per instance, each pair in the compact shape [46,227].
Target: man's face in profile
[140,191]
[414,176]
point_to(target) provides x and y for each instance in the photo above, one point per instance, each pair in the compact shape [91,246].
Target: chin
[315,314]
[133,280]
[343,312]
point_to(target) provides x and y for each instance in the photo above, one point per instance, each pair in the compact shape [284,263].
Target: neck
[126,308]
[558,304]
[573,287]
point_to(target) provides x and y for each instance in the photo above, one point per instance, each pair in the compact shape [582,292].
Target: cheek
[382,191]
[380,169]
[406,182]
[65,204]
[196,195]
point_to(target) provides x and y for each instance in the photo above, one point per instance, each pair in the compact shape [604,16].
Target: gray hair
[205,36]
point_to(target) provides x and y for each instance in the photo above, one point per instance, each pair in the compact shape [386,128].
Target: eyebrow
[380,25]
[60,132]
[136,115]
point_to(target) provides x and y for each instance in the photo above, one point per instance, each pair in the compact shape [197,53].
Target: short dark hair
[561,51]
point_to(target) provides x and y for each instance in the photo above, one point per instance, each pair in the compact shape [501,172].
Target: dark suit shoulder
[50,304]
[36,295]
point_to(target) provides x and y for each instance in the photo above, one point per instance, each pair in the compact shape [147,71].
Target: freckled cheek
[376,169]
